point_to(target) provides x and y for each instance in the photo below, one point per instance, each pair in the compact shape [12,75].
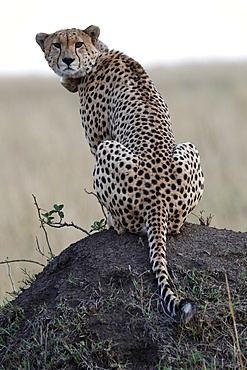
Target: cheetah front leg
[111,222]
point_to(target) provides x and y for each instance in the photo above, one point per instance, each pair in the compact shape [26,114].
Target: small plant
[206,221]
[98,225]
[27,280]
[72,280]
[55,218]
[52,218]
[195,358]
[194,282]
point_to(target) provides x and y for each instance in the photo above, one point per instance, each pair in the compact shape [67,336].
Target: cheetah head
[71,53]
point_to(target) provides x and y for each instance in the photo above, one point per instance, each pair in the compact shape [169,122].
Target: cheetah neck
[119,102]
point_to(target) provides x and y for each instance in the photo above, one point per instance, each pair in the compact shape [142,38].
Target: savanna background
[43,152]
[201,72]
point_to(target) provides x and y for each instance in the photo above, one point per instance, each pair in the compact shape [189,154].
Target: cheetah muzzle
[141,176]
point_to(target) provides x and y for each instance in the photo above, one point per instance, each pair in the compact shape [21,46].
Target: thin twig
[39,249]
[101,205]
[7,261]
[234,323]
[55,225]
[59,225]
[203,221]
[77,227]
[10,277]
[42,226]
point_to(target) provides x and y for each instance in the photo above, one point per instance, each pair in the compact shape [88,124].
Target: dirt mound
[96,306]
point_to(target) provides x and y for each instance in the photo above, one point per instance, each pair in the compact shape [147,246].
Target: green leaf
[98,225]
[61,214]
[58,207]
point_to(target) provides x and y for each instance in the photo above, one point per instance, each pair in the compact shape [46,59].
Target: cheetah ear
[40,39]
[93,32]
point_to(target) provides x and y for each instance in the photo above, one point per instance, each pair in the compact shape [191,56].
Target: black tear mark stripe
[58,58]
[78,57]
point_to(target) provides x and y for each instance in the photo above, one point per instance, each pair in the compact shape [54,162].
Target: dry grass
[43,152]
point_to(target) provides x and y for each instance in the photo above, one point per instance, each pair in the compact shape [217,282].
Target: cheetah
[147,182]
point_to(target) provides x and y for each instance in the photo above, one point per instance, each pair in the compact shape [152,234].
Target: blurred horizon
[155,33]
[43,152]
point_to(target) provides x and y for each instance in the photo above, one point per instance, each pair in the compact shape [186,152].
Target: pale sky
[152,32]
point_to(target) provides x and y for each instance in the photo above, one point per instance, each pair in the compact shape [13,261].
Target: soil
[107,279]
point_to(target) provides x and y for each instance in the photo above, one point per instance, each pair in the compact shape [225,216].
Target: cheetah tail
[156,232]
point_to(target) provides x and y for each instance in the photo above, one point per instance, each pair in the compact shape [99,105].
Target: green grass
[65,338]
[58,341]
[43,152]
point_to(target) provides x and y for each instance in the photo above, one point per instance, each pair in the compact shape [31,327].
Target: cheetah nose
[68,61]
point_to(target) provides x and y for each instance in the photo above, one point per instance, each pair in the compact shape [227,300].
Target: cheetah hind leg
[120,230]
[188,183]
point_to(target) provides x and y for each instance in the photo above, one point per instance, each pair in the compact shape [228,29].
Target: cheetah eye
[78,45]
[57,45]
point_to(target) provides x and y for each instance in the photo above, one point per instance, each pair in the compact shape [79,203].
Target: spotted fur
[146,181]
